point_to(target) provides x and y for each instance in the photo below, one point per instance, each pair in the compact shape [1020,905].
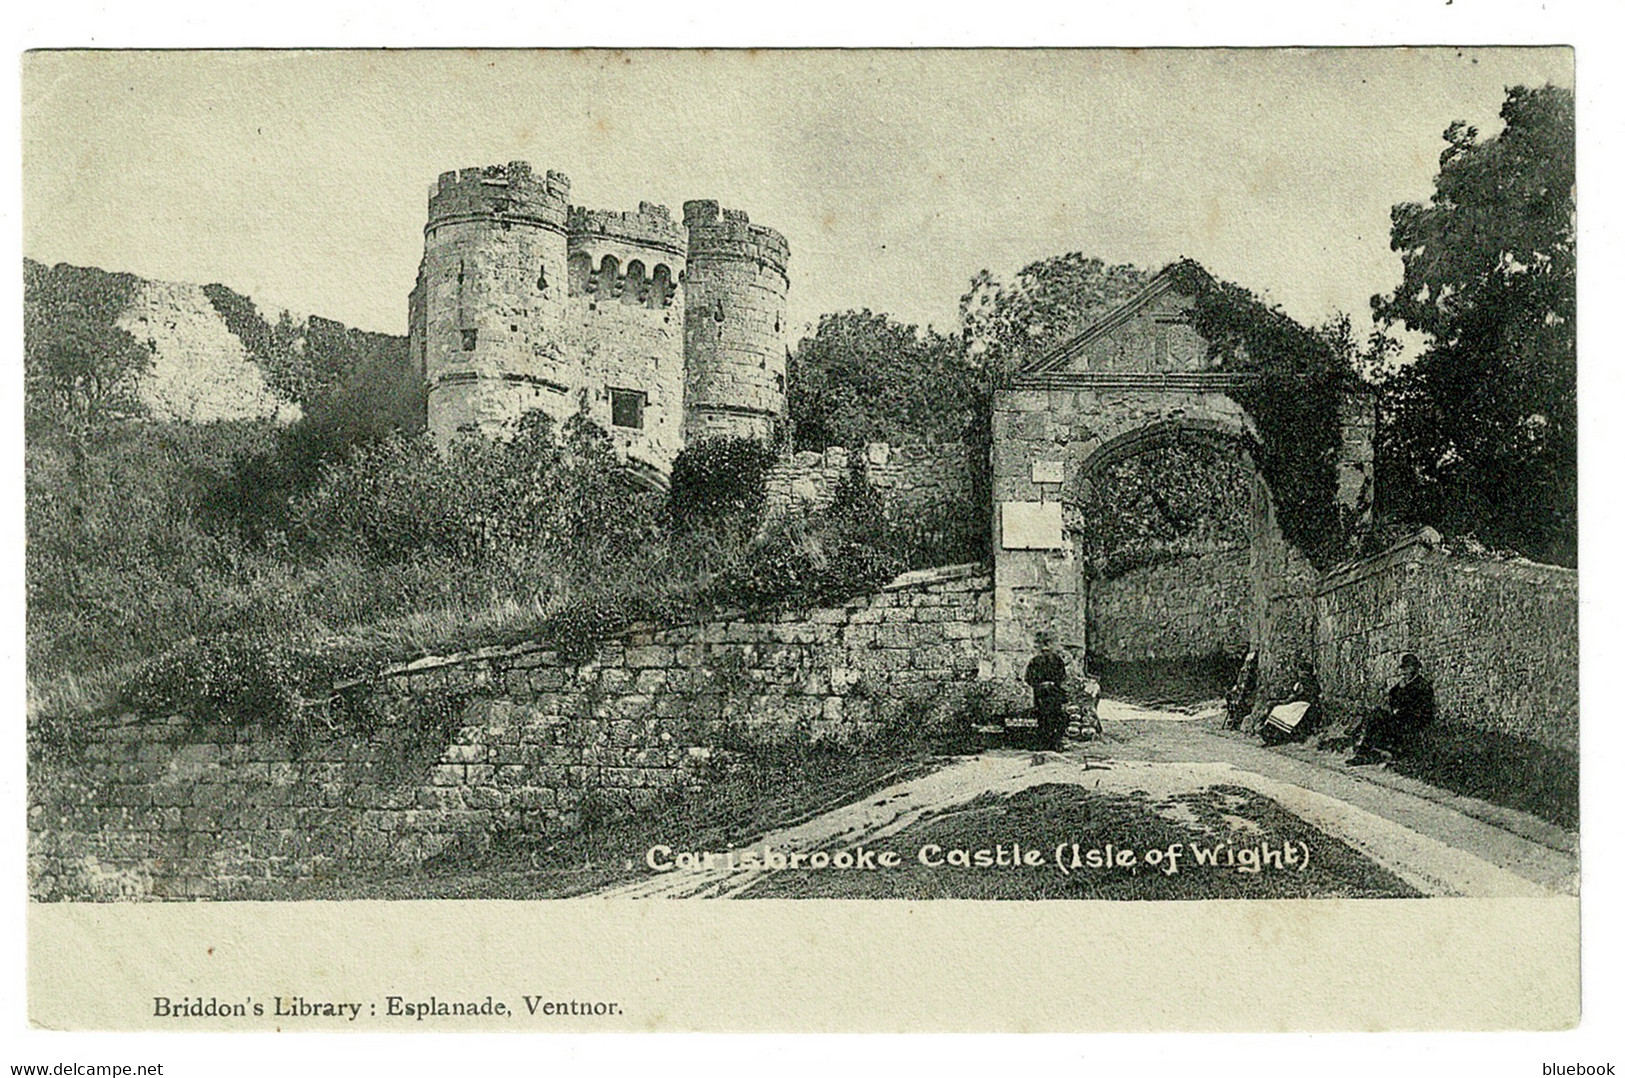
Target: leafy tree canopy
[1184,498]
[80,369]
[1048,301]
[865,377]
[1480,432]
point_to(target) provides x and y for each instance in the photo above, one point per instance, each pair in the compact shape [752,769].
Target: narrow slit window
[626,408]
[471,339]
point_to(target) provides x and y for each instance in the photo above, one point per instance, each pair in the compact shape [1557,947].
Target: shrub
[719,481]
[805,561]
[228,680]
[559,492]
[855,505]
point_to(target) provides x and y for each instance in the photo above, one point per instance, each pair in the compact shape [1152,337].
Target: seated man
[1388,732]
[1239,700]
[1296,717]
[1046,673]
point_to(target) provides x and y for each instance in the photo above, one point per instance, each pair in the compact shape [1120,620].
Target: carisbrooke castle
[661,332]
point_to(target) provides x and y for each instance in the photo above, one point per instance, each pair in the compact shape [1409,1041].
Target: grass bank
[753,788]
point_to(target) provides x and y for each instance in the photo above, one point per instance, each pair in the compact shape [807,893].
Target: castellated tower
[624,324]
[487,317]
[659,332]
[734,326]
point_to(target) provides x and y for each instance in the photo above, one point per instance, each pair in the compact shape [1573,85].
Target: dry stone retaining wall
[905,476]
[1189,608]
[455,748]
[1499,638]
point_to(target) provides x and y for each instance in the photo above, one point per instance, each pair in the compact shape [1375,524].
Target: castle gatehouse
[660,331]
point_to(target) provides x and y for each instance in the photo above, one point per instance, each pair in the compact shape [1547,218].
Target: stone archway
[1139,376]
[1051,441]
[1197,602]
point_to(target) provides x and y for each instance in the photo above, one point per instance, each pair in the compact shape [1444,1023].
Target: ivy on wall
[1294,404]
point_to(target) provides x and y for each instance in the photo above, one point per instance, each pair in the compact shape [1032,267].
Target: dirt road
[1436,843]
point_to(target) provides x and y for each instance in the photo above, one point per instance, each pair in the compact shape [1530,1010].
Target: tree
[1049,300]
[80,370]
[1187,497]
[865,377]
[1479,433]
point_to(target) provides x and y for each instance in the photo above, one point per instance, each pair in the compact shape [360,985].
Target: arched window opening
[580,274]
[660,288]
[633,285]
[608,278]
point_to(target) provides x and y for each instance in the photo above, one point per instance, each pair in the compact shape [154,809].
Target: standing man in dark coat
[1046,673]
[1389,731]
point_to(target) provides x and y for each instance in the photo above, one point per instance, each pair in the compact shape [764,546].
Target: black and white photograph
[1078,479]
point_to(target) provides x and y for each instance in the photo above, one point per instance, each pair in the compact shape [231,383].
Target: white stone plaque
[1032,526]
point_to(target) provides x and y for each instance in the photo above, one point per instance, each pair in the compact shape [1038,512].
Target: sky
[301,178]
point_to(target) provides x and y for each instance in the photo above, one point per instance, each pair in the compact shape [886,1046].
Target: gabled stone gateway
[1138,377]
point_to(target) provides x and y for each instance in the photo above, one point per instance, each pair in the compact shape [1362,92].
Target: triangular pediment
[1150,331]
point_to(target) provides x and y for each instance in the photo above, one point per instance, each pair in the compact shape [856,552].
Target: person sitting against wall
[1083,709]
[1385,733]
[1298,716]
[1046,673]
[1238,702]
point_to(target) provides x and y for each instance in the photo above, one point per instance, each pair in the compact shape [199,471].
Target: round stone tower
[488,312]
[734,324]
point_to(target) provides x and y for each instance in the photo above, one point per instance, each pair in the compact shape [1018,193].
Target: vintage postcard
[692,540]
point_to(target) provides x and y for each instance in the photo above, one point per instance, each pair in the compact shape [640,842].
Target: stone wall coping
[838,456]
[919,578]
[1409,549]
[1426,541]
[1521,568]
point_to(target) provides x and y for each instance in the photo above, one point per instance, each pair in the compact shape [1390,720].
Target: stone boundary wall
[455,748]
[905,476]
[1189,608]
[1498,638]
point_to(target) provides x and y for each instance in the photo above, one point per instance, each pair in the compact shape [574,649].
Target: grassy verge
[1041,817]
[1502,770]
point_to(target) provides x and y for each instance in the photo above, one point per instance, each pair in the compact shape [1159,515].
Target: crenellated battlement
[717,233]
[650,226]
[526,302]
[512,192]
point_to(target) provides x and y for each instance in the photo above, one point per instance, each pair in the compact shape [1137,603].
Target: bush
[804,561]
[719,482]
[229,680]
[560,494]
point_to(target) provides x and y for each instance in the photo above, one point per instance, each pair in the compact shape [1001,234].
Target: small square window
[471,339]
[626,408]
